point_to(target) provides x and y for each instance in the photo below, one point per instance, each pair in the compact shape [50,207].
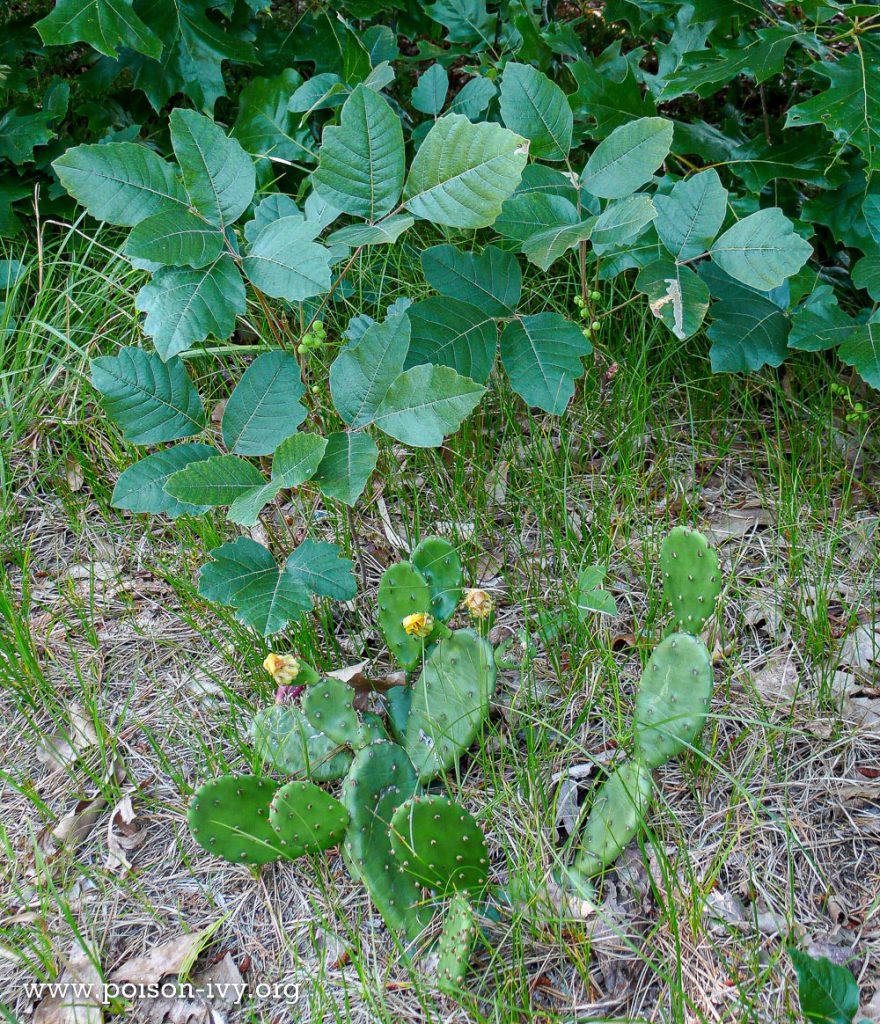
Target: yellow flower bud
[419,624]
[283,668]
[478,603]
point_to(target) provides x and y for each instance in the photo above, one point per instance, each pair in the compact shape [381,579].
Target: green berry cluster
[585,313]
[857,412]
[313,339]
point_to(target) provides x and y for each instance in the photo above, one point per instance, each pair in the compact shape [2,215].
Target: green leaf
[186,306]
[20,134]
[473,98]
[609,102]
[463,172]
[285,263]
[544,248]
[627,158]
[273,207]
[365,369]
[532,213]
[761,250]
[244,575]
[675,295]
[264,408]
[861,349]
[141,488]
[850,108]
[490,280]
[804,155]
[427,403]
[120,182]
[212,482]
[467,21]
[361,162]
[383,233]
[866,274]
[266,126]
[542,357]
[536,108]
[702,71]
[690,217]
[175,239]
[151,401]
[591,598]
[217,173]
[194,47]
[747,333]
[450,332]
[622,222]
[819,324]
[106,25]
[295,461]
[429,94]
[348,461]
[827,992]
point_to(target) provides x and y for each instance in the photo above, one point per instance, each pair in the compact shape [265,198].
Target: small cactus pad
[398,701]
[229,816]
[403,591]
[306,819]
[381,779]
[673,700]
[328,706]
[456,943]
[440,845]
[450,701]
[285,737]
[617,813]
[691,580]
[437,560]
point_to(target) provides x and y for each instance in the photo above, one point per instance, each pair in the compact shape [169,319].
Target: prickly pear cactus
[439,845]
[618,812]
[287,739]
[403,591]
[306,819]
[229,816]
[456,943]
[437,560]
[328,706]
[398,701]
[450,701]
[380,780]
[673,699]
[691,580]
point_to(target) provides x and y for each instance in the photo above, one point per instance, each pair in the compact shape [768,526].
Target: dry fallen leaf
[496,482]
[123,836]
[777,682]
[64,746]
[861,649]
[737,523]
[167,958]
[74,473]
[74,826]
[80,1007]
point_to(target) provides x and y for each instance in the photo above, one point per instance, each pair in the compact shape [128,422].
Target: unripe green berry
[316,389]
[301,348]
[586,332]
[595,325]
[595,296]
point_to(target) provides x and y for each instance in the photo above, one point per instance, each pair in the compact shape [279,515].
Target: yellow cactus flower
[283,668]
[478,603]
[419,624]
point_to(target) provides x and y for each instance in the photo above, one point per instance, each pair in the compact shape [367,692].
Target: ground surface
[772,839]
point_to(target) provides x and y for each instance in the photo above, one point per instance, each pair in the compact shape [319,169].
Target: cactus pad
[617,813]
[439,845]
[398,701]
[285,737]
[691,580]
[673,700]
[450,701]
[403,591]
[229,816]
[328,706]
[306,819]
[381,779]
[456,943]
[437,560]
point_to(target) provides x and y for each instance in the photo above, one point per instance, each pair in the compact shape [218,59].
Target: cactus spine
[456,943]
